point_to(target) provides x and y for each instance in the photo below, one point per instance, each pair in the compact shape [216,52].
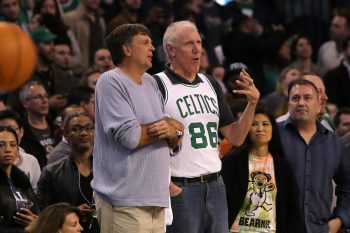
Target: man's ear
[25,104]
[20,132]
[65,134]
[126,50]
[319,107]
[170,50]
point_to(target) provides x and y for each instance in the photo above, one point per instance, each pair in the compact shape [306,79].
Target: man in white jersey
[197,190]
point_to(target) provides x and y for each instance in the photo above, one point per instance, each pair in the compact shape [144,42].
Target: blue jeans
[200,208]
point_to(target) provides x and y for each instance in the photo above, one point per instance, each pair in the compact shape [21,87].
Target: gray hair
[24,92]
[173,30]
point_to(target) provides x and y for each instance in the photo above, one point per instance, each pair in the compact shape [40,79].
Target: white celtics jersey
[195,106]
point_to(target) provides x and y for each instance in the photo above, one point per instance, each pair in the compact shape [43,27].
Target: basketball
[17,56]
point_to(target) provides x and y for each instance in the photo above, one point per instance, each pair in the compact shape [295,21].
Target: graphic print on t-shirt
[258,212]
[45,138]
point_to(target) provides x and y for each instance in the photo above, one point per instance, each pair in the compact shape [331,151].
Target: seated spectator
[259,183]
[62,150]
[39,138]
[128,14]
[277,101]
[218,73]
[89,29]
[18,205]
[330,54]
[244,45]
[85,98]
[48,14]
[276,58]
[342,121]
[69,180]
[62,63]
[59,218]
[10,11]
[301,52]
[103,60]
[54,84]
[24,161]
[231,76]
[337,80]
[90,77]
[158,19]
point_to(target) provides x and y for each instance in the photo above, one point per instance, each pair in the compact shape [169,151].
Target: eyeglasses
[78,129]
[41,97]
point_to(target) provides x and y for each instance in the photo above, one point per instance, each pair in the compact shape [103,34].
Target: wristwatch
[179,133]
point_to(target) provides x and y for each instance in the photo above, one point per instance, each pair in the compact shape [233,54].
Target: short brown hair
[122,35]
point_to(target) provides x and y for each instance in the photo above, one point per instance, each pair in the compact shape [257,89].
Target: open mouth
[301,110]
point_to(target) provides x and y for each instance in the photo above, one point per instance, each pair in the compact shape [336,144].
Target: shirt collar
[72,161]
[320,128]
[177,79]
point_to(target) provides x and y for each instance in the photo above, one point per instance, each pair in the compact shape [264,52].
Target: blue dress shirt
[315,165]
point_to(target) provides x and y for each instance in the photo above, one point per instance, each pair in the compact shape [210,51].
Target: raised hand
[249,89]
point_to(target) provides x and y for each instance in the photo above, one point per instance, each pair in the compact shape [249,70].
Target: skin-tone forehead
[36,87]
[184,33]
[102,51]
[303,89]
[262,116]
[7,136]
[79,120]
[62,47]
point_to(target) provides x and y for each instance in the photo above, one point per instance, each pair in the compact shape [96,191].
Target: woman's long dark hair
[275,145]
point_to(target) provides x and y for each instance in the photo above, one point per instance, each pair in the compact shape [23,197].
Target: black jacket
[59,182]
[235,171]
[8,202]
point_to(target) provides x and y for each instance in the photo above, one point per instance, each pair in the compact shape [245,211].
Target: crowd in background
[275,41]
[263,36]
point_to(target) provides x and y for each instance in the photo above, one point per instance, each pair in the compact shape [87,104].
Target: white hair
[173,30]
[25,92]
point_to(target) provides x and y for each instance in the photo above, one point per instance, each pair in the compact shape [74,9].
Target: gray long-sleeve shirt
[124,174]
